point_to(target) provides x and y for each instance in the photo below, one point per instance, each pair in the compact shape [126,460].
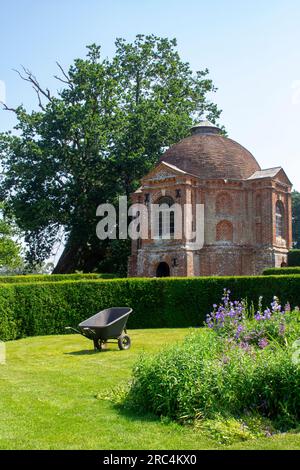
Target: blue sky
[252,49]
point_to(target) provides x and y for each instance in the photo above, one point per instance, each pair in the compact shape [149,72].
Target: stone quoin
[247,210]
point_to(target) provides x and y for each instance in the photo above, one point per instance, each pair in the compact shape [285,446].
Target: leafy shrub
[293,262]
[42,308]
[54,277]
[281,271]
[204,377]
[294,258]
[229,430]
[242,362]
[9,327]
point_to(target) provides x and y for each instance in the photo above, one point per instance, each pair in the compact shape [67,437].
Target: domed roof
[209,155]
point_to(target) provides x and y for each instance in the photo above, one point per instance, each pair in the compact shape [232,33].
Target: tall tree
[94,140]
[296,219]
[10,249]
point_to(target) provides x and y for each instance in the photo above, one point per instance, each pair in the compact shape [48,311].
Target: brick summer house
[247,210]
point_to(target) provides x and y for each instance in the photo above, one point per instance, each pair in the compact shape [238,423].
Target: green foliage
[54,277]
[42,308]
[228,430]
[204,377]
[9,325]
[116,257]
[10,250]
[105,129]
[296,220]
[294,258]
[281,271]
[55,392]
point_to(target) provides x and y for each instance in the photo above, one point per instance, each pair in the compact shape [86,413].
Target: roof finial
[205,127]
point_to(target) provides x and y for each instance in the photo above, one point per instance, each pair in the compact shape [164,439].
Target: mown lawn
[51,389]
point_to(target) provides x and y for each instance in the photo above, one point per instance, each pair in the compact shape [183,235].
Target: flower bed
[239,322]
[245,362]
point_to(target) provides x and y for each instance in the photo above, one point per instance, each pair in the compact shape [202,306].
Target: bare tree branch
[63,72]
[61,79]
[6,108]
[67,80]
[29,77]
[39,99]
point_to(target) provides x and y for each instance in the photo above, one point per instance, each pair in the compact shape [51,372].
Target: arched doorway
[163,270]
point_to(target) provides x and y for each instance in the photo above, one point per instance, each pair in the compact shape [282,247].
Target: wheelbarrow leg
[97,344]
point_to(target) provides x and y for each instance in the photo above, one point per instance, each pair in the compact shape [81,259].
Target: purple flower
[263,343]
[276,307]
[239,330]
[287,308]
[245,346]
[281,329]
[230,319]
[267,314]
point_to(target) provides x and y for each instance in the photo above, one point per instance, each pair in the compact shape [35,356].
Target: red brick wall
[240,228]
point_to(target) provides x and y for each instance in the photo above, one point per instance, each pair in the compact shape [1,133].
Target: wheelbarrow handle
[89,330]
[70,328]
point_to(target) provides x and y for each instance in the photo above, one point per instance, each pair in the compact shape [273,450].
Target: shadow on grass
[83,352]
[87,352]
[277,428]
[132,414]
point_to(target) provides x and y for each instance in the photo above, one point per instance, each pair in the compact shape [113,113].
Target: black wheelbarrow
[105,325]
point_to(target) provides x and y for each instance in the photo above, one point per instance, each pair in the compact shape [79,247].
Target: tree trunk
[68,261]
[77,258]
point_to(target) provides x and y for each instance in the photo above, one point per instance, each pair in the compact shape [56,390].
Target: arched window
[279,219]
[223,203]
[224,231]
[166,224]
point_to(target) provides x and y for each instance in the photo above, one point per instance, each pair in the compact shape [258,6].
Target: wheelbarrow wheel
[124,342]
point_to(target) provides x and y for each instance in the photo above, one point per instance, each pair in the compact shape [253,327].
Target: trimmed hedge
[281,271]
[55,277]
[46,308]
[294,258]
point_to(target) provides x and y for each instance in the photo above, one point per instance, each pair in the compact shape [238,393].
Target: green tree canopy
[10,249]
[93,140]
[296,219]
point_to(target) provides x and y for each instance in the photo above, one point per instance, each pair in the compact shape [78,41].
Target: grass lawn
[50,399]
